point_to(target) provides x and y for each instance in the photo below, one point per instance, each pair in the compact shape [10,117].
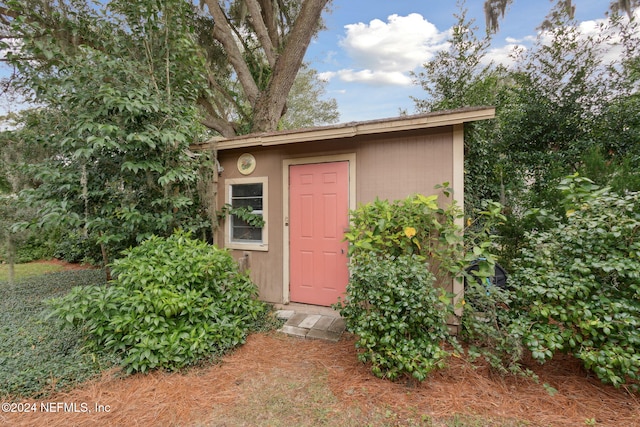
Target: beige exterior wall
[393,169]
[390,166]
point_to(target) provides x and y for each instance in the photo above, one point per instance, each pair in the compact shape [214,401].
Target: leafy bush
[393,245]
[74,247]
[173,302]
[415,225]
[35,248]
[579,283]
[397,314]
[36,355]
[492,329]
[402,255]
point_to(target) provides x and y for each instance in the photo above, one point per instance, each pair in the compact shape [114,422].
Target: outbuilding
[303,184]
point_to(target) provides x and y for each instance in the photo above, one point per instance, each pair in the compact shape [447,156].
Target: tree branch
[214,121]
[224,34]
[261,31]
[269,10]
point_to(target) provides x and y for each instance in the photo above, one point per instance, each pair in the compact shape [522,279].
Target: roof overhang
[350,130]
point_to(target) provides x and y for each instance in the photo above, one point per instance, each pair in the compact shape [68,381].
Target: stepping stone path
[314,326]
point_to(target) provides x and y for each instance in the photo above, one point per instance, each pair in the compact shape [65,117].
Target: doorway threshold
[311,321]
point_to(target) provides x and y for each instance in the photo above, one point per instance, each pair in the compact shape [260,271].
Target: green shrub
[74,247]
[392,303]
[579,283]
[415,225]
[492,329]
[173,302]
[397,314]
[399,251]
[35,248]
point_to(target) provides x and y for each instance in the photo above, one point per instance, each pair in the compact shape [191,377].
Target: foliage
[248,60]
[564,105]
[34,250]
[10,239]
[306,106]
[75,247]
[117,123]
[399,251]
[415,225]
[245,213]
[174,301]
[457,78]
[492,329]
[418,225]
[579,282]
[37,357]
[398,315]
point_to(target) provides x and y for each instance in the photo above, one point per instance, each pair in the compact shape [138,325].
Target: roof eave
[350,130]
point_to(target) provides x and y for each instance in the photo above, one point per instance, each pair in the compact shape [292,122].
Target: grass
[31,269]
[37,356]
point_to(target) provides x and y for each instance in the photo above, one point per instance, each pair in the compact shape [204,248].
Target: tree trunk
[105,259]
[11,249]
[271,103]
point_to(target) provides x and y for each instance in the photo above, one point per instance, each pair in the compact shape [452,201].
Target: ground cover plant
[174,301]
[36,356]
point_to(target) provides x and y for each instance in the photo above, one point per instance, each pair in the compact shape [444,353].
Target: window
[246,193]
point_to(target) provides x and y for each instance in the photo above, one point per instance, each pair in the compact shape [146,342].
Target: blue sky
[370,46]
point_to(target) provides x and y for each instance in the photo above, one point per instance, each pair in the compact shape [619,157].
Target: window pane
[240,230]
[255,203]
[245,196]
[246,190]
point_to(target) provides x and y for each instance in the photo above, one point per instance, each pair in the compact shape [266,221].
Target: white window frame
[249,245]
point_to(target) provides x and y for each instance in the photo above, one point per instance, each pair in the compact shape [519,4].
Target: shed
[304,183]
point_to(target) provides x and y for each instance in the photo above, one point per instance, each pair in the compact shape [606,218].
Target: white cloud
[525,39]
[375,77]
[383,53]
[504,55]
[325,76]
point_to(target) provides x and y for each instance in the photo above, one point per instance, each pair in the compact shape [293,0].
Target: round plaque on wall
[246,163]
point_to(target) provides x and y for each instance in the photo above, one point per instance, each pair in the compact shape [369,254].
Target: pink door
[318,217]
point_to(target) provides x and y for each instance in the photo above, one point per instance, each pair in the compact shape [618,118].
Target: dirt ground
[278,380]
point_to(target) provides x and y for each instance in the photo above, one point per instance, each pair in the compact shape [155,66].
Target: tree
[457,78]
[252,49]
[117,122]
[561,109]
[306,106]
[13,153]
[119,90]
